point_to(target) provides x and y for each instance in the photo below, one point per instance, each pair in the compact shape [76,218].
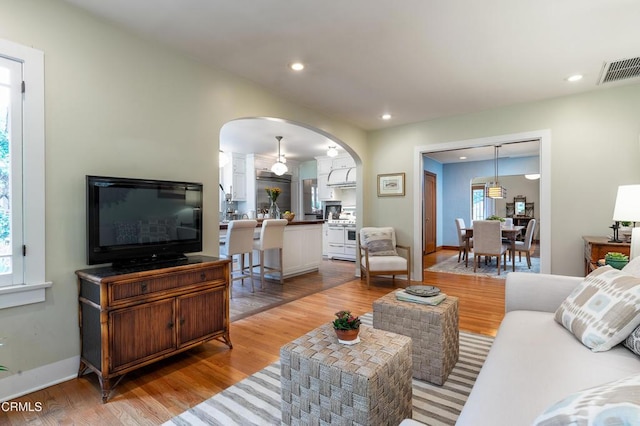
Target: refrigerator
[310,203]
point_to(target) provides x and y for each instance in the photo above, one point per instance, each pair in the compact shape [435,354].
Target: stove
[342,222]
[342,239]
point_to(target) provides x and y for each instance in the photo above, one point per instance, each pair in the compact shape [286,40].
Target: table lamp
[627,208]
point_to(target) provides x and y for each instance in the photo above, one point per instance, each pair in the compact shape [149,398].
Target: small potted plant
[616,260]
[346,326]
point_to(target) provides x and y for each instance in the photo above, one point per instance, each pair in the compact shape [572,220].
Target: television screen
[138,221]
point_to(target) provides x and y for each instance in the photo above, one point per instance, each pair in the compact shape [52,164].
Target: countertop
[224,225]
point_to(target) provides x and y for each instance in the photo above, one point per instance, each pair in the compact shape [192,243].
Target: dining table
[508,232]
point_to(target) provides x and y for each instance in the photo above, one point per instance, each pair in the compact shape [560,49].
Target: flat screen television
[138,221]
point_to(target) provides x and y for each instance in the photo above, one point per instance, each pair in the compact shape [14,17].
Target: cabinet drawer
[128,291]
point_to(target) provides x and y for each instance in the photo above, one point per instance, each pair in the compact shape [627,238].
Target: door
[141,333]
[201,315]
[429,197]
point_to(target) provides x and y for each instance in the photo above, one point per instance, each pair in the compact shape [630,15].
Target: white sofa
[534,361]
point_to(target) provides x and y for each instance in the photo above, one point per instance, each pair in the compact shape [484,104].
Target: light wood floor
[158,392]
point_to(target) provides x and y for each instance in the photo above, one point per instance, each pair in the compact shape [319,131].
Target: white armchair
[379,254]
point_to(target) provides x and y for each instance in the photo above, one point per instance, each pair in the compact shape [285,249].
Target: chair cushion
[603,310]
[387,263]
[379,242]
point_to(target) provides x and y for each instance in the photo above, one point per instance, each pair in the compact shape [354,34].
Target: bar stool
[271,237]
[240,241]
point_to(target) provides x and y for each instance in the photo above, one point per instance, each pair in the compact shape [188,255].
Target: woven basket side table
[434,330]
[325,382]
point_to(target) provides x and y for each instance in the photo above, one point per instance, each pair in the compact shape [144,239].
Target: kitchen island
[302,251]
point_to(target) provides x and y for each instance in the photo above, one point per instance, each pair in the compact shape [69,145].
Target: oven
[342,241]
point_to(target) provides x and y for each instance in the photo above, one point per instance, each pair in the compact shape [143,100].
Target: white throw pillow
[379,243]
[603,310]
[633,267]
[614,403]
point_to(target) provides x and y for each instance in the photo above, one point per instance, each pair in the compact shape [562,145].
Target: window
[22,273]
[477,202]
[10,172]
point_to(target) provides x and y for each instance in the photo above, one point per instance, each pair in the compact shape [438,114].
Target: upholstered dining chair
[525,245]
[238,242]
[271,237]
[379,254]
[487,241]
[462,244]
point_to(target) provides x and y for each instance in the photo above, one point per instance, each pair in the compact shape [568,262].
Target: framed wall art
[391,185]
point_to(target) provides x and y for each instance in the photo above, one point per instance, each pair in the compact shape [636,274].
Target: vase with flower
[273,193]
[347,327]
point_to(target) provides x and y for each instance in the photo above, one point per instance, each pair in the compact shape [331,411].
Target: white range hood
[345,177]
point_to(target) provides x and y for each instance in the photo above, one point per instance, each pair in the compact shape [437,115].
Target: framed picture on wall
[391,185]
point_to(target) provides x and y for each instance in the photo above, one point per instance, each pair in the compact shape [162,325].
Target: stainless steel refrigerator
[265,179]
[310,202]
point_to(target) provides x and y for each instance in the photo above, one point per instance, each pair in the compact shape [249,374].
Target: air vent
[620,70]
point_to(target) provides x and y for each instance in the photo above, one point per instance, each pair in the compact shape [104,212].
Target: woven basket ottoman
[326,382]
[434,330]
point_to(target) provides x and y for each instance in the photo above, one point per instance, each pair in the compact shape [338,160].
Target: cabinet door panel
[200,315]
[141,332]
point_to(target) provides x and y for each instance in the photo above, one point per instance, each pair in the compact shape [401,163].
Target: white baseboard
[25,382]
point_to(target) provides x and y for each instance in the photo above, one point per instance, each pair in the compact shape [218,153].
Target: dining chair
[379,254]
[238,242]
[462,244]
[271,237]
[525,246]
[487,237]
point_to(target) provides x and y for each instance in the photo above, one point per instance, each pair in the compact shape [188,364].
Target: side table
[434,330]
[326,382]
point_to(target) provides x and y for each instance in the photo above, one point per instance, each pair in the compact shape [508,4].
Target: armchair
[379,254]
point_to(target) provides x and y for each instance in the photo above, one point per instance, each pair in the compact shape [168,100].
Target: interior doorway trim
[544,136]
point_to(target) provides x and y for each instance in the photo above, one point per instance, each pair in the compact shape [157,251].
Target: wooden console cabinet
[596,248]
[132,317]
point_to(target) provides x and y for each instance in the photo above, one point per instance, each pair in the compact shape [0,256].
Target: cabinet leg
[105,387]
[82,368]
[226,340]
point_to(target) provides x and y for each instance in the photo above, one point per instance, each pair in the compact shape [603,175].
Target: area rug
[452,266]
[256,399]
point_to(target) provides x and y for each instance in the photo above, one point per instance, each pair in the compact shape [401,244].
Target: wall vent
[620,70]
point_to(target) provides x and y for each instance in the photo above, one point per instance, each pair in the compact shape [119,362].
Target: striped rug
[256,399]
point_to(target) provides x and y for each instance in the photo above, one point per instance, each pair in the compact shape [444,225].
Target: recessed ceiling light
[576,77]
[463,158]
[386,116]
[297,66]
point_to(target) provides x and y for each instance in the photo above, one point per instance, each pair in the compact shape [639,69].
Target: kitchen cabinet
[235,177]
[132,317]
[343,161]
[325,192]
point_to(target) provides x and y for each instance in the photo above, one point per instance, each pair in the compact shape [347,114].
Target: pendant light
[279,167]
[496,191]
[332,151]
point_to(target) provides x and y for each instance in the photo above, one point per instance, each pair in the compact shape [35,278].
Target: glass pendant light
[279,168]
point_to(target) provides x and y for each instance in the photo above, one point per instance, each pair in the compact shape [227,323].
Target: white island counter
[302,251]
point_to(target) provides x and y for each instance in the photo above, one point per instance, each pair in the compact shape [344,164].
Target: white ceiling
[416,59]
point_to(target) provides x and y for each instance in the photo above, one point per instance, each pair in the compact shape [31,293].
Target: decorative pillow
[603,310]
[633,341]
[379,243]
[614,403]
[633,267]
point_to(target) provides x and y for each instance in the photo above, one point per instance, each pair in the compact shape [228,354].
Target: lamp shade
[496,192]
[627,208]
[279,168]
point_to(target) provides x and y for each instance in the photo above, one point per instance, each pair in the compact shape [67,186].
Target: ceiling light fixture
[463,158]
[223,159]
[496,191]
[386,116]
[332,151]
[279,167]
[297,66]
[575,78]
[532,176]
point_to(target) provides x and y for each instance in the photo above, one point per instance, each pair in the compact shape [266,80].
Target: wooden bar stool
[271,237]
[238,242]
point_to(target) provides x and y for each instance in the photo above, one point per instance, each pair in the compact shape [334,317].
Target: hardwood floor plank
[156,393]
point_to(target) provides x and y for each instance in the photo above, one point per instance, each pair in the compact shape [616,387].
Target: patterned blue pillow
[614,403]
[633,341]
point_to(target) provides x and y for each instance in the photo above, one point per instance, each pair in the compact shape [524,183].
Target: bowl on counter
[288,216]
